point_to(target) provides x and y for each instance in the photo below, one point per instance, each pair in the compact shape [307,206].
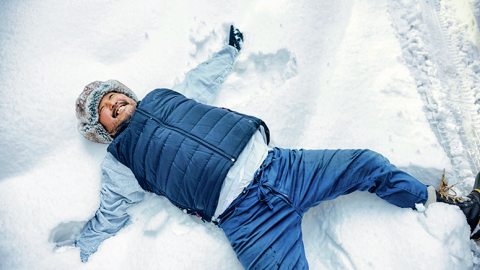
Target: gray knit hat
[87,108]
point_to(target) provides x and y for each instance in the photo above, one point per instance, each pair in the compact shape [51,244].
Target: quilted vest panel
[182,149]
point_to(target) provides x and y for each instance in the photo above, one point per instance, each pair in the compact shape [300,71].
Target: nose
[110,104]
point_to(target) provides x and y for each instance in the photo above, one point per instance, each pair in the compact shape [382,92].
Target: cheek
[104,118]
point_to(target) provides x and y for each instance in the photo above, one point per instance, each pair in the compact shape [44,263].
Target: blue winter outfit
[264,223]
[190,152]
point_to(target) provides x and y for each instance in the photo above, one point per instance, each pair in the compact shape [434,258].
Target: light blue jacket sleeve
[120,190]
[205,81]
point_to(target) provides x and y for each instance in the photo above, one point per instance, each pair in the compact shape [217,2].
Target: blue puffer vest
[182,149]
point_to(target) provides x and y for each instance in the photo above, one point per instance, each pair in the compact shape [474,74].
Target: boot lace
[447,191]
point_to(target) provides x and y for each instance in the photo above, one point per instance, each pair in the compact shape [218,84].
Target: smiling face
[114,110]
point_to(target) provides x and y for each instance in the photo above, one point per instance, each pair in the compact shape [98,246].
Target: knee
[373,158]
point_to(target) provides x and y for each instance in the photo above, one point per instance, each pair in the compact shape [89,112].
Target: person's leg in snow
[264,223]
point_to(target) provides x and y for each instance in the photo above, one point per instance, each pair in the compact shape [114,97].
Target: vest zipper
[198,140]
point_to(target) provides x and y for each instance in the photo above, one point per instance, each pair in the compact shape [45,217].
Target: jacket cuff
[84,256]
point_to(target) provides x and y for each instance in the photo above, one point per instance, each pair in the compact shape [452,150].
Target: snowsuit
[263,222]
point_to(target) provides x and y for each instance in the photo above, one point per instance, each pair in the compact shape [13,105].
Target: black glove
[235,38]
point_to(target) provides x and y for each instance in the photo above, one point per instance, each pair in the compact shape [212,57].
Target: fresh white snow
[396,76]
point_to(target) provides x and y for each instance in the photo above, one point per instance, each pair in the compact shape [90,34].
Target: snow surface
[322,74]
[469,11]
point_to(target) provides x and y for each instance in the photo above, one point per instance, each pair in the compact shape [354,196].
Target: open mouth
[118,108]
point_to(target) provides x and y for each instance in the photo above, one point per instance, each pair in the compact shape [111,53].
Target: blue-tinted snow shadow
[428,176]
[476,12]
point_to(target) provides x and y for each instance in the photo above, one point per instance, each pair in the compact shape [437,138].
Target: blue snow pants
[263,224]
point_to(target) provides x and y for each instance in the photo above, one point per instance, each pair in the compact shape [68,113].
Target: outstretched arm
[120,190]
[204,82]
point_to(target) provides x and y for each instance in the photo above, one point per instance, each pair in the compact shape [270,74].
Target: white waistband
[241,173]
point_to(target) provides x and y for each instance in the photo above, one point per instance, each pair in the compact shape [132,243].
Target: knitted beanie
[87,108]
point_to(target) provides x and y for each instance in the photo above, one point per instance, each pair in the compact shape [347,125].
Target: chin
[128,114]
[129,111]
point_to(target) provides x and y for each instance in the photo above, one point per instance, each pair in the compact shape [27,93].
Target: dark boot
[470,205]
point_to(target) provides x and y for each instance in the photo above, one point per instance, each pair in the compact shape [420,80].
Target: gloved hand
[235,38]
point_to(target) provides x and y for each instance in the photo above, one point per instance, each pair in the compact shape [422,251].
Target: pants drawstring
[265,191]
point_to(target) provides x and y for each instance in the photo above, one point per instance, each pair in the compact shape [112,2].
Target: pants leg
[309,177]
[265,238]
[264,224]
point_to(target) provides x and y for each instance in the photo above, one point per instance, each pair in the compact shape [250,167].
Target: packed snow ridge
[444,63]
